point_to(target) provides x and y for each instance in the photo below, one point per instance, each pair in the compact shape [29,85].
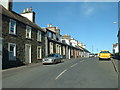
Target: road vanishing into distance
[73,73]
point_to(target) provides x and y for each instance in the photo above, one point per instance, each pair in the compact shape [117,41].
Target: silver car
[52,58]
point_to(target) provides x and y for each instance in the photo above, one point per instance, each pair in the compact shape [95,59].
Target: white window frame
[30,29]
[11,51]
[72,52]
[39,36]
[63,50]
[14,33]
[40,52]
[26,45]
[60,49]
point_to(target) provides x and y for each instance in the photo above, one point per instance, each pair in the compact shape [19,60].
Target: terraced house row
[24,42]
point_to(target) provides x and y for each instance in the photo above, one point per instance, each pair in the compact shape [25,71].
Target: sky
[88,22]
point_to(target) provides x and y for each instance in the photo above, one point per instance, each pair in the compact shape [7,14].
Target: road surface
[74,73]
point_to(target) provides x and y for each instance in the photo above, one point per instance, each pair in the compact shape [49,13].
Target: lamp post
[92,49]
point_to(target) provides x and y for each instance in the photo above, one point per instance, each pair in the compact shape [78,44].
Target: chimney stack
[29,13]
[7,4]
[49,25]
[30,8]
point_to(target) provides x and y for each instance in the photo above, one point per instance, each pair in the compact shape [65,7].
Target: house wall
[119,41]
[7,4]
[29,16]
[119,27]
[20,40]
[115,49]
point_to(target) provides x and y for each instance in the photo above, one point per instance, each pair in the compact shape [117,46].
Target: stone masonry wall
[20,40]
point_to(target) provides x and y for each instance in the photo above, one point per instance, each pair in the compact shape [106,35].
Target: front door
[28,53]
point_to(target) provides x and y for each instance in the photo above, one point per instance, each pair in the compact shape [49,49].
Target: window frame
[30,32]
[51,47]
[12,51]
[39,37]
[40,52]
[14,33]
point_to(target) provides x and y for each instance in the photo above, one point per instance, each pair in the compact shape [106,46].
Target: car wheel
[99,58]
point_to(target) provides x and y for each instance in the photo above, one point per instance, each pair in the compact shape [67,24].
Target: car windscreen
[51,55]
[105,52]
[91,54]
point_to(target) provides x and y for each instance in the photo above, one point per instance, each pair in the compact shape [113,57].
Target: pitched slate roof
[18,17]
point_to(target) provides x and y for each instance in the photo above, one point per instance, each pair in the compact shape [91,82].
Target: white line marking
[74,65]
[60,74]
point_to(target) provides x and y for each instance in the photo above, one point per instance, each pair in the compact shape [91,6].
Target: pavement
[31,65]
[116,63]
[73,73]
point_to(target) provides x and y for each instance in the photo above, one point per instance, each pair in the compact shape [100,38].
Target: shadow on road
[53,63]
[116,57]
[104,60]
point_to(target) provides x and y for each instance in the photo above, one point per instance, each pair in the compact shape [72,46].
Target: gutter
[115,67]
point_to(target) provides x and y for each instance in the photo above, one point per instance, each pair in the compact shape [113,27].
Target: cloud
[87,9]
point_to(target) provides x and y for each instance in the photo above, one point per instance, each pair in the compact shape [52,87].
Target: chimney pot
[31,17]
[49,25]
[27,9]
[24,10]
[30,8]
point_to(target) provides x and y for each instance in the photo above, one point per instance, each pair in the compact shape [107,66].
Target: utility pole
[97,50]
[92,49]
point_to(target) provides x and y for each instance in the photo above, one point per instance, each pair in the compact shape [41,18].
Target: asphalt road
[74,73]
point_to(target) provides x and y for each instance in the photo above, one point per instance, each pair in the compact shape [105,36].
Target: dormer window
[28,32]
[12,28]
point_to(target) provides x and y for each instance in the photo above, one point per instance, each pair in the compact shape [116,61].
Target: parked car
[105,54]
[91,55]
[96,55]
[52,58]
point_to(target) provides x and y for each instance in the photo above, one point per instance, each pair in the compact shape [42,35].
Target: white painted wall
[5,3]
[63,50]
[67,41]
[74,42]
[51,47]
[84,46]
[116,49]
[69,52]
[28,15]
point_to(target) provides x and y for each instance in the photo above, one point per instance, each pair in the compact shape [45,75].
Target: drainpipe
[46,45]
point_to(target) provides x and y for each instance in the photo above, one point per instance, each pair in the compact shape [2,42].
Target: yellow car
[105,54]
